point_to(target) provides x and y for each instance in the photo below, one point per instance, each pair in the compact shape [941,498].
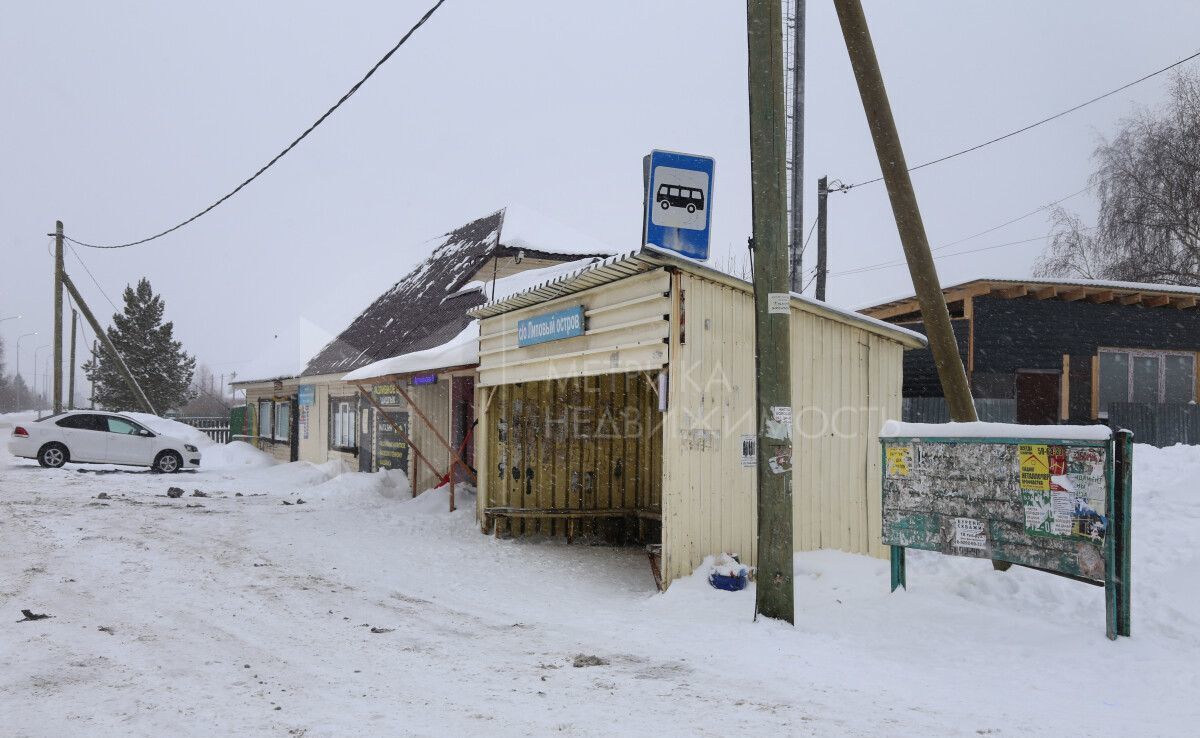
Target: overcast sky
[121,118]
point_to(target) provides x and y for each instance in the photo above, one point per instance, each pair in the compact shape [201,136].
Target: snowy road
[242,615]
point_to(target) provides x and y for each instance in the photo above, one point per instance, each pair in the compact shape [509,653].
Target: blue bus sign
[550,326]
[679,203]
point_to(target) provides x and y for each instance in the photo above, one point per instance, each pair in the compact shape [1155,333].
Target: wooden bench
[492,514]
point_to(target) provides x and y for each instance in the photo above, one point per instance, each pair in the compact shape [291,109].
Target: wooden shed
[618,400]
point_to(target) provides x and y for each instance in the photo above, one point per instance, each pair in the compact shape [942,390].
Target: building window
[343,419]
[283,420]
[1132,375]
[264,419]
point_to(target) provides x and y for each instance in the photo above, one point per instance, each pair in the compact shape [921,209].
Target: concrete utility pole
[904,207]
[797,224]
[772,308]
[71,385]
[134,387]
[822,234]
[58,315]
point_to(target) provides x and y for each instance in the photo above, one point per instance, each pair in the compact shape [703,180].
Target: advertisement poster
[1069,502]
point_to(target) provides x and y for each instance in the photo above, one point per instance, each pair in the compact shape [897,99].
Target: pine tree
[155,358]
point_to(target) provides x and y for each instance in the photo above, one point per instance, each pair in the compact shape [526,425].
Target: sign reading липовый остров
[551,326]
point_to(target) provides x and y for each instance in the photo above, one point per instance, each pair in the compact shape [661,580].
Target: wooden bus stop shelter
[640,423]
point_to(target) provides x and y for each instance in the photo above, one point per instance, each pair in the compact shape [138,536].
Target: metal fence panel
[1158,425]
[934,410]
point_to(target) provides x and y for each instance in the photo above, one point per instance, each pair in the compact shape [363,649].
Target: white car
[98,437]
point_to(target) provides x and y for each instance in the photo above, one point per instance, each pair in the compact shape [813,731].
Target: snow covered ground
[366,612]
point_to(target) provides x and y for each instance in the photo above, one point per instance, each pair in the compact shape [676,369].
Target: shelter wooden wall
[845,383]
[584,443]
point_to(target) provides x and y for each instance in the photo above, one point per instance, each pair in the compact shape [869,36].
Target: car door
[85,436]
[128,442]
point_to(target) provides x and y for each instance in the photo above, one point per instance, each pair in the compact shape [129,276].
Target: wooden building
[619,400]
[1064,350]
[307,411]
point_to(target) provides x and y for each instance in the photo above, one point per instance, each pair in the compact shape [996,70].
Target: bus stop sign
[678,211]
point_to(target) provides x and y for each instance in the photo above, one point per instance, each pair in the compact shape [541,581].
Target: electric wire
[1010,134]
[964,239]
[94,280]
[428,14]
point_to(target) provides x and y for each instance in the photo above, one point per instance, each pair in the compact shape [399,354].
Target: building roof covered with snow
[427,309]
[1065,290]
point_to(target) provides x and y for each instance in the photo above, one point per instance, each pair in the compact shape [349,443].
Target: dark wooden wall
[1024,333]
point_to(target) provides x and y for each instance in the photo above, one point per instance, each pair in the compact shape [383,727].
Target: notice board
[1058,505]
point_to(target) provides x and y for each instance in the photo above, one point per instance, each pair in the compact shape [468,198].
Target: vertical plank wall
[708,496]
[583,443]
[846,381]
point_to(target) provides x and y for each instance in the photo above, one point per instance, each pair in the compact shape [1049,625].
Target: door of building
[462,409]
[1038,395]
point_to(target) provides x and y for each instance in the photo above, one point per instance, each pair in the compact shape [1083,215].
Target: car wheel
[691,208]
[168,462]
[53,455]
[664,204]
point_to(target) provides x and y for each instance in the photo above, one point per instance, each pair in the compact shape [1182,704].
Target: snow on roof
[896,429]
[462,350]
[526,228]
[1098,283]
[285,354]
[520,282]
[860,318]
[415,314]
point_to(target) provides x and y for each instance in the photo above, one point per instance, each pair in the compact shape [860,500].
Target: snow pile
[896,429]
[235,456]
[363,489]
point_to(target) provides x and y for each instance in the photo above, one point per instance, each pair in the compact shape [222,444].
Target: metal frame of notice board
[959,514]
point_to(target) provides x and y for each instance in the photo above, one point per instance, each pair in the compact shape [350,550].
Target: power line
[1035,211]
[1031,126]
[94,280]
[1019,218]
[901,262]
[429,13]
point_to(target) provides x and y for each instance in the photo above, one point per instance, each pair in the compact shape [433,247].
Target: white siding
[625,332]
[845,383]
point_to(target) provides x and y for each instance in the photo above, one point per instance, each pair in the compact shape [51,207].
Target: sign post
[679,203]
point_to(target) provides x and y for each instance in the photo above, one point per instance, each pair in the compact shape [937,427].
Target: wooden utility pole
[796,227]
[92,383]
[904,207]
[58,315]
[822,234]
[130,382]
[772,308]
[71,384]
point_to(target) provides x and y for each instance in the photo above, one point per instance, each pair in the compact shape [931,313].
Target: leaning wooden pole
[134,387]
[772,309]
[949,364]
[71,376]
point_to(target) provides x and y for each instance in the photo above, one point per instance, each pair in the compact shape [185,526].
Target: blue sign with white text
[679,203]
[306,395]
[550,326]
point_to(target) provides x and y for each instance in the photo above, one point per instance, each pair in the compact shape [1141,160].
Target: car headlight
[190,447]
